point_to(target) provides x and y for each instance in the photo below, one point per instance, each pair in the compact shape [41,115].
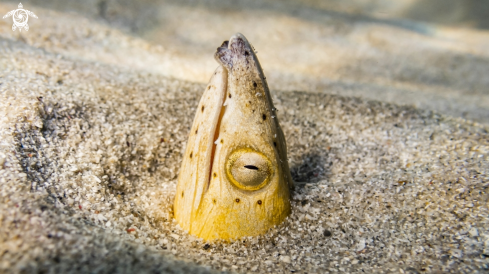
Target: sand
[91,141]
[350,48]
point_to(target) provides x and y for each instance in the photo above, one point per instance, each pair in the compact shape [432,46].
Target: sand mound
[90,155]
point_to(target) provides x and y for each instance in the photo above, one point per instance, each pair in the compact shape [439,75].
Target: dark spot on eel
[275,144]
[264,117]
[215,175]
[237,200]
[203,108]
[259,202]
[254,84]
[182,194]
[191,153]
[230,95]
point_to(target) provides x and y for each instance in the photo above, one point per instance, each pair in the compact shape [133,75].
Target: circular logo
[20,18]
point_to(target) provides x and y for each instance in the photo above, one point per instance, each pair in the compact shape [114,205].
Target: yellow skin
[234,180]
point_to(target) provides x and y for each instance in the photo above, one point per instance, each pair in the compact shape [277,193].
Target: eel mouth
[223,56]
[236,47]
[216,136]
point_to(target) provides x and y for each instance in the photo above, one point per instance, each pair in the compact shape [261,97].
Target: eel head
[235,179]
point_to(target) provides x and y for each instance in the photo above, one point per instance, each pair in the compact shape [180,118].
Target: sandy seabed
[90,152]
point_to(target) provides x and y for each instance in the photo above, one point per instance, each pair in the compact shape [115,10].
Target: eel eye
[248,169]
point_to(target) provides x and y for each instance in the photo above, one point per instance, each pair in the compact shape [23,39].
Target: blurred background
[431,54]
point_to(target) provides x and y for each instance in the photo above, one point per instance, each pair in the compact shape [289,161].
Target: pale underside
[235,179]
